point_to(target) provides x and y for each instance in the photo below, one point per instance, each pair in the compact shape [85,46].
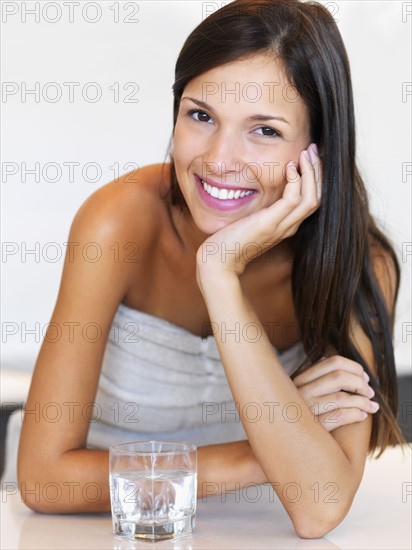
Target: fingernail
[374,405]
[366,376]
[364,415]
[371,392]
[306,154]
[293,166]
[314,148]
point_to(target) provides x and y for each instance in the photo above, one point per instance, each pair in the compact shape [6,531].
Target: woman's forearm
[79,480]
[76,482]
[307,468]
[227,467]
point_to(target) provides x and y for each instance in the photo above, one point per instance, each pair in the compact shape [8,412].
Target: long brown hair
[332,276]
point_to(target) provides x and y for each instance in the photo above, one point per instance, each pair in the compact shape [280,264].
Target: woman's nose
[223,152]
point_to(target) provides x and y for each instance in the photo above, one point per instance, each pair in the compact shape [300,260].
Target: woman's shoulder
[385,268]
[129,206]
[115,237]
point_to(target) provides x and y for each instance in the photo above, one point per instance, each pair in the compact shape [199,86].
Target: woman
[260,223]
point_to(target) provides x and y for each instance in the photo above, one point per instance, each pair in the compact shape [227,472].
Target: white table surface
[380,518]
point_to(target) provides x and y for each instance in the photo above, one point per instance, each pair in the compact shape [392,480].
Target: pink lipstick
[221,197]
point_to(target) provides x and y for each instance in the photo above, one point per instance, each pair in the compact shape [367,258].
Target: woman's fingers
[328,365]
[341,400]
[336,381]
[301,195]
[313,151]
[341,417]
[310,168]
[336,389]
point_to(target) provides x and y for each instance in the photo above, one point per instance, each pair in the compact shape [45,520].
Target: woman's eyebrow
[268,117]
[199,103]
[261,118]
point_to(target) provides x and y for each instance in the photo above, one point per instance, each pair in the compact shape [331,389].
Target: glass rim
[121,448]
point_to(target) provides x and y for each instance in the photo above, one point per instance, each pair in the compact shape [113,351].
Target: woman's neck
[187,231]
[191,238]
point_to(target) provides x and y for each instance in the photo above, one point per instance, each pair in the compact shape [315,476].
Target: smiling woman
[260,221]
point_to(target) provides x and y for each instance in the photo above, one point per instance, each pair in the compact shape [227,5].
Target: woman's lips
[223,197]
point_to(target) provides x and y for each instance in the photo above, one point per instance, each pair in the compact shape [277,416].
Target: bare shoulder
[113,238]
[133,202]
[386,272]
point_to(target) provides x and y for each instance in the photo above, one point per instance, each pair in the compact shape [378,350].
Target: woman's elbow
[317,525]
[33,496]
[314,530]
[40,494]
[46,498]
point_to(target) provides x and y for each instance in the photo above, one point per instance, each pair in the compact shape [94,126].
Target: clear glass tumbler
[153,489]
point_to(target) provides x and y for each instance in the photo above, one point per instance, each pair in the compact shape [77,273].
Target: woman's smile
[223,197]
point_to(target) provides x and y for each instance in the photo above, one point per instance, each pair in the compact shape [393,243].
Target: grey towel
[160,381]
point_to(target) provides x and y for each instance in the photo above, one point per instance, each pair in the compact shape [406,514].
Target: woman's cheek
[179,150]
[186,143]
[270,168]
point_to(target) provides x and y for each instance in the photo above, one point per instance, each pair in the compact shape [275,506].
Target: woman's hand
[251,236]
[336,389]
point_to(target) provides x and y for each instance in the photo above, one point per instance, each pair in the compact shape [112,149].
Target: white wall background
[39,208]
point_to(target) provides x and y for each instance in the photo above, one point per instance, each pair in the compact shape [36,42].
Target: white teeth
[224,194]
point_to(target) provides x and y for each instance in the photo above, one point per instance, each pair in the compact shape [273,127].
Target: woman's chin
[213,226]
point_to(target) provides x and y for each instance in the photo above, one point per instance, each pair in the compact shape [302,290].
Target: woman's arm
[315,473]
[56,472]
[315,476]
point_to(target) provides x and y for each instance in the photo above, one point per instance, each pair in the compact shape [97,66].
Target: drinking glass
[153,489]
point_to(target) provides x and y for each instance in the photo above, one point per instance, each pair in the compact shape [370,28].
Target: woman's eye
[268,131]
[198,115]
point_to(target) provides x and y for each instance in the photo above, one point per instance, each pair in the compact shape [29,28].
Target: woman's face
[237,128]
